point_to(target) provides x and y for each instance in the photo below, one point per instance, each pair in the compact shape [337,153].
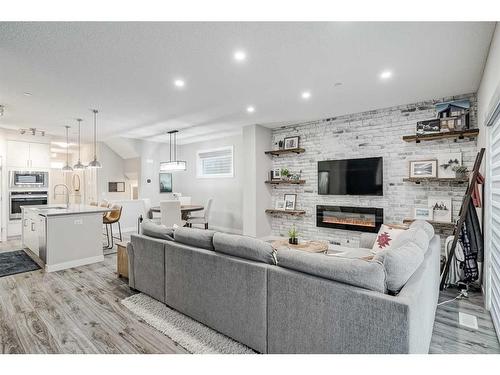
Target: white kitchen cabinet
[31,227]
[39,155]
[28,155]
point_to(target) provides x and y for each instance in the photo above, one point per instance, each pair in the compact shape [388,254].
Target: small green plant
[285,172]
[292,232]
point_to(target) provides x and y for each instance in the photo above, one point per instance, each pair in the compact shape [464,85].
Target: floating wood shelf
[418,180]
[435,224]
[289,182]
[288,151]
[470,133]
[287,212]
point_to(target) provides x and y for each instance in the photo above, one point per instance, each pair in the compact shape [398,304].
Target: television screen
[351,177]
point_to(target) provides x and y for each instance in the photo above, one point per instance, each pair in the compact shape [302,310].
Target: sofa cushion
[154,230]
[358,272]
[244,247]
[417,236]
[195,237]
[385,237]
[400,263]
[425,226]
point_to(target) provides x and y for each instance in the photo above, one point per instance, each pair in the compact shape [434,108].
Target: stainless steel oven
[29,179]
[25,198]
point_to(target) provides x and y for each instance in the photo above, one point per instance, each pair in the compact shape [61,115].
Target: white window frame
[199,168]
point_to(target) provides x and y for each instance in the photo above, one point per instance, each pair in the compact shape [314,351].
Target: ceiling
[127,70]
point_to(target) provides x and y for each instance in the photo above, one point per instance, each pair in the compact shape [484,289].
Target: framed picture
[116,187]
[291,142]
[165,182]
[423,168]
[441,209]
[276,174]
[280,205]
[454,115]
[446,162]
[428,126]
[290,200]
[422,213]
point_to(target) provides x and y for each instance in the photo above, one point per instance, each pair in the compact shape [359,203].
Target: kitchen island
[63,237]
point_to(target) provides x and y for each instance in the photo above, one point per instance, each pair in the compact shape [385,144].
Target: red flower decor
[383,240]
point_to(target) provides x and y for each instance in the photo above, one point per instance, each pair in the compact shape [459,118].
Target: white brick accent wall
[368,134]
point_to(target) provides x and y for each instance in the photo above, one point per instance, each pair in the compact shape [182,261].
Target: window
[217,162]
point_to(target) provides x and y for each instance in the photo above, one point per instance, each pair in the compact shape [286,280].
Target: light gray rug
[190,334]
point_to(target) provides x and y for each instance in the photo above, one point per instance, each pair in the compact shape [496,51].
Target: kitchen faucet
[67,193]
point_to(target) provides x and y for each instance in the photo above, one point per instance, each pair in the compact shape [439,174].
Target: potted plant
[293,236]
[461,171]
[285,173]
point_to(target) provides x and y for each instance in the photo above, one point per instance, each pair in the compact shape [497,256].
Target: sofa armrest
[131,276]
[367,240]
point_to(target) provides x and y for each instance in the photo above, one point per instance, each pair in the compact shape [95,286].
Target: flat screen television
[351,177]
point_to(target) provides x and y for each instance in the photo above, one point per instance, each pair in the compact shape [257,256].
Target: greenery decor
[292,235]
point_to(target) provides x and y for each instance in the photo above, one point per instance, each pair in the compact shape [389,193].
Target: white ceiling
[126,70]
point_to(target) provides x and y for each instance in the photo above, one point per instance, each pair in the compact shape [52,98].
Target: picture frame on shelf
[280,205]
[446,162]
[423,213]
[290,201]
[441,209]
[429,127]
[291,142]
[275,174]
[423,168]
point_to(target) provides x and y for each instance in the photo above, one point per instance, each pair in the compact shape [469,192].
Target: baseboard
[73,263]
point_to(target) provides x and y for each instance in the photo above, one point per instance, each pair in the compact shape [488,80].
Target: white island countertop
[73,209]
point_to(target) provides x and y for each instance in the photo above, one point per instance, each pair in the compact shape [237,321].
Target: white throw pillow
[385,237]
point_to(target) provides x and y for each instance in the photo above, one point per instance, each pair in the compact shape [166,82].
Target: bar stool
[109,219]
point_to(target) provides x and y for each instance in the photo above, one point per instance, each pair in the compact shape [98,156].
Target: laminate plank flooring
[79,311]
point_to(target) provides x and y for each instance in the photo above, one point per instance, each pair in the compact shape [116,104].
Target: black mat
[15,262]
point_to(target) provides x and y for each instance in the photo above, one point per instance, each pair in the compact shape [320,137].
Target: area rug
[14,262]
[195,337]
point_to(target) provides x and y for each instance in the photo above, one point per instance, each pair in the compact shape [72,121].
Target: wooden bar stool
[109,219]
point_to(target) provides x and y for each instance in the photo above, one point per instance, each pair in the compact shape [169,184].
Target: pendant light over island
[95,163]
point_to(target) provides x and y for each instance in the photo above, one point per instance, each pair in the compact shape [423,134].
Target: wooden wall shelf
[286,212]
[286,182]
[470,133]
[418,180]
[435,224]
[283,152]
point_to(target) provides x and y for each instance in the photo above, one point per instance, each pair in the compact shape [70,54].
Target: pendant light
[94,163]
[79,166]
[67,168]
[174,164]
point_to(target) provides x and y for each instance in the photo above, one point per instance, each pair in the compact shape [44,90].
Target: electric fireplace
[363,219]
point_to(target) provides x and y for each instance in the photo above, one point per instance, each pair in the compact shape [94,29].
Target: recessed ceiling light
[27,93]
[179,83]
[306,95]
[240,55]
[386,74]
[336,84]
[250,109]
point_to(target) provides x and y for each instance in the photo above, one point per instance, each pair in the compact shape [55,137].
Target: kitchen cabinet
[32,227]
[22,154]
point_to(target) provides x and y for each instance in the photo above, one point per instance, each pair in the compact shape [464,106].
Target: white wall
[113,170]
[488,96]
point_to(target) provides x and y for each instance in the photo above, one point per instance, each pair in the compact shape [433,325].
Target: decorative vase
[461,175]
[293,241]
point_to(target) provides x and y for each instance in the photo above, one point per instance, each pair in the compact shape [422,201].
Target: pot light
[250,109]
[179,83]
[386,74]
[240,55]
[306,95]
[27,93]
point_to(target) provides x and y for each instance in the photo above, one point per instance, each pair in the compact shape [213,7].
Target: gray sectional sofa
[291,301]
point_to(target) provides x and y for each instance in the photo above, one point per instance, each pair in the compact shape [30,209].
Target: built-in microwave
[29,179]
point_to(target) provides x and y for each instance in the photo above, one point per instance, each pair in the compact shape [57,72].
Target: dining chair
[171,213]
[185,201]
[201,219]
[111,218]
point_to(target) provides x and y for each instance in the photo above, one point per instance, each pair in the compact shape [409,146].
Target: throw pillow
[386,235]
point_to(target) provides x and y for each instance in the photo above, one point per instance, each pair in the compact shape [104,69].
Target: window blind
[216,162]
[495,224]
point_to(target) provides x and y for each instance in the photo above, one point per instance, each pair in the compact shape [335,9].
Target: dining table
[186,209]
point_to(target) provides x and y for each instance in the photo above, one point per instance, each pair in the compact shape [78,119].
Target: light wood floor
[79,311]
